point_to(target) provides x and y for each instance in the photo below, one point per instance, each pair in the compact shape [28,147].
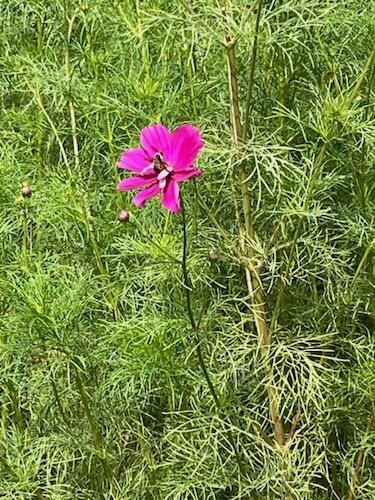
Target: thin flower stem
[185,271]
[361,264]
[369,66]
[195,328]
[100,265]
[59,404]
[363,170]
[18,417]
[68,73]
[25,213]
[40,130]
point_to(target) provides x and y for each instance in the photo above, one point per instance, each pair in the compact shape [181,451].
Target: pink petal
[186,143]
[156,139]
[135,182]
[186,173]
[148,170]
[163,174]
[134,159]
[171,196]
[141,198]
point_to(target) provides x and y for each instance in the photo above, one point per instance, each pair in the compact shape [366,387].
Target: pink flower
[164,159]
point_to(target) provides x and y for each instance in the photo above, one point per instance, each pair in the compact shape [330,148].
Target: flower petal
[134,159]
[163,174]
[186,173]
[171,196]
[148,170]
[135,182]
[185,145]
[156,139]
[141,198]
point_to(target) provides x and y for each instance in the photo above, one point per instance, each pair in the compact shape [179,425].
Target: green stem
[40,131]
[246,236]
[59,404]
[250,87]
[25,232]
[195,327]
[369,66]
[100,265]
[95,432]
[39,102]
[363,171]
[184,269]
[15,406]
[361,264]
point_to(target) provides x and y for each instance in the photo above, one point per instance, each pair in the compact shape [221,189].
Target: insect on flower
[163,161]
[159,163]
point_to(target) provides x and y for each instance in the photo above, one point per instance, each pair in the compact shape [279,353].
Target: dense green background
[101,393]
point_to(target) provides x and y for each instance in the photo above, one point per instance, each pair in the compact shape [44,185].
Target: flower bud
[214,256]
[26,191]
[123,216]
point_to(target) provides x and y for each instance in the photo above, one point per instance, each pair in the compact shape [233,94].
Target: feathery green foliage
[102,395]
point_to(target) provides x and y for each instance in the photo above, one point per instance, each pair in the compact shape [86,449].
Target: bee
[159,164]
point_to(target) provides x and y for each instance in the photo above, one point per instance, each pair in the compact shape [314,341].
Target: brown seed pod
[123,216]
[26,191]
[214,256]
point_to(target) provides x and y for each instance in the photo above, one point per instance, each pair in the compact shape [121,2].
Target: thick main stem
[246,237]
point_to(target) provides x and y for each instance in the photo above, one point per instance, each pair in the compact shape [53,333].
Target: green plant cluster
[101,393]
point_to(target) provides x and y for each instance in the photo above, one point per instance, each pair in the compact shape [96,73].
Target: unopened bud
[26,191]
[214,256]
[123,216]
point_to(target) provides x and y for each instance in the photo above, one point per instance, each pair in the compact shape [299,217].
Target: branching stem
[247,235]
